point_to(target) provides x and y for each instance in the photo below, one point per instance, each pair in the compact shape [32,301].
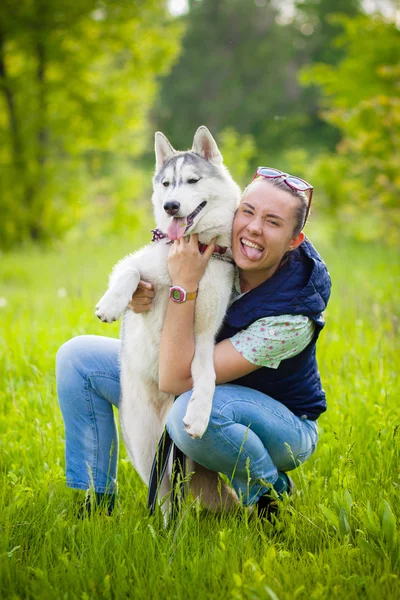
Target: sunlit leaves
[77,83]
[361,98]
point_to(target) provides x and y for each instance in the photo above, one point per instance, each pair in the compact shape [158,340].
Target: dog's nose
[172,207]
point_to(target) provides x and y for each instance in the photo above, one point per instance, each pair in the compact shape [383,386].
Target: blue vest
[300,287]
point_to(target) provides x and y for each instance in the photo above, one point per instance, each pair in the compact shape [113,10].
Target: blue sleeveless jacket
[300,287]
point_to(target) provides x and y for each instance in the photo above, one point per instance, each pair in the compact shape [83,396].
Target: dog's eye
[165,183]
[193,180]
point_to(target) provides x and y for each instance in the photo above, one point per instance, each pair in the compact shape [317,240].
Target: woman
[264,423]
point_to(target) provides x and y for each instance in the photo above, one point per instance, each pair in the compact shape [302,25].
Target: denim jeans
[250,436]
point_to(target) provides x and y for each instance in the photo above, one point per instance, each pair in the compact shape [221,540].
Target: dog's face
[193,191]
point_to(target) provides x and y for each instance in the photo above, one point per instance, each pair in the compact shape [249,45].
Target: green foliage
[361,183]
[239,153]
[119,201]
[238,68]
[337,538]
[77,81]
[352,80]
[315,19]
[224,84]
[78,91]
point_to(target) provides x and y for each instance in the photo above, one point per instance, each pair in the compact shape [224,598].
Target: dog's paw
[110,307]
[196,419]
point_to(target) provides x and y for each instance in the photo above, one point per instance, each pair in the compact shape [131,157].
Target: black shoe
[268,505]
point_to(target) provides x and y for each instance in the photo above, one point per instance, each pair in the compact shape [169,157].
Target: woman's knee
[69,351]
[192,447]
[68,368]
[78,354]
[220,411]
[176,428]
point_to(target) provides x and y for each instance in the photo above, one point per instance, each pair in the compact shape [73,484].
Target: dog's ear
[205,145]
[163,149]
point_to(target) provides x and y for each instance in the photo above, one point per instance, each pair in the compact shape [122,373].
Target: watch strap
[191,295]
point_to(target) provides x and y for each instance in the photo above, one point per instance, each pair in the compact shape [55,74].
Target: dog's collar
[217,250]
[159,235]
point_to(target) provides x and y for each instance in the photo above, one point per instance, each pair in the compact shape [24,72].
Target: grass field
[338,538]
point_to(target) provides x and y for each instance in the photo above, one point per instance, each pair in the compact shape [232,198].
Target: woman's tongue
[251,253]
[177,228]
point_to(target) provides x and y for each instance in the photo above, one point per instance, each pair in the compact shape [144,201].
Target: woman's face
[263,229]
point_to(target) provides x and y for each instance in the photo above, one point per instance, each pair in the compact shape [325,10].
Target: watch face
[176,295]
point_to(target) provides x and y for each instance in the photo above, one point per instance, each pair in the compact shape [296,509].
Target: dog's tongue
[177,228]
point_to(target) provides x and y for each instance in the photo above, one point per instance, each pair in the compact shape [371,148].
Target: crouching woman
[268,393]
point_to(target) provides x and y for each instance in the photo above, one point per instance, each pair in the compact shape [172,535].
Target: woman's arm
[177,347]
[229,365]
[186,266]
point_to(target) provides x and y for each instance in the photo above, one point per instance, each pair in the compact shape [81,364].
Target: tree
[319,29]
[77,80]
[235,71]
[361,99]
[239,69]
[315,37]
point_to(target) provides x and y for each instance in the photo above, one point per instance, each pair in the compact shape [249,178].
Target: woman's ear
[295,243]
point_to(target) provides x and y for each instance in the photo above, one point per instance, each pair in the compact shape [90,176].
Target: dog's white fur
[143,408]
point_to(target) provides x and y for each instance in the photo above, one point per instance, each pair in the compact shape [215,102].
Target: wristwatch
[178,294]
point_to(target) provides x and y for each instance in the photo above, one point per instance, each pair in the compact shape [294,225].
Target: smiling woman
[265,422]
[263,231]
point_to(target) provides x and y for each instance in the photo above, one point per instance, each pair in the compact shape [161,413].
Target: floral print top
[269,340]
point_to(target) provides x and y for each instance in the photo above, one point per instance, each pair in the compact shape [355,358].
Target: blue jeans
[250,436]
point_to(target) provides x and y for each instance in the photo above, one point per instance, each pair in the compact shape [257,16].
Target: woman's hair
[302,205]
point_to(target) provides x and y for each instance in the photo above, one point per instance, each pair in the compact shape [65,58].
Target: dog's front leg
[203,373]
[123,284]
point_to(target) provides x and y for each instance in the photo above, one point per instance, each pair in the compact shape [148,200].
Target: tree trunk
[42,134]
[17,147]
[41,141]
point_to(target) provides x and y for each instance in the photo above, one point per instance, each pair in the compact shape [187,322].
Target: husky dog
[193,193]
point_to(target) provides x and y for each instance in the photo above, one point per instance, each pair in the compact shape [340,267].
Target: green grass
[339,537]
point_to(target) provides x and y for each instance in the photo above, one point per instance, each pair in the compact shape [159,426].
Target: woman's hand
[186,265]
[142,298]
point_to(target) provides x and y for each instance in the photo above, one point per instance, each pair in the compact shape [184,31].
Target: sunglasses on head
[297,184]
